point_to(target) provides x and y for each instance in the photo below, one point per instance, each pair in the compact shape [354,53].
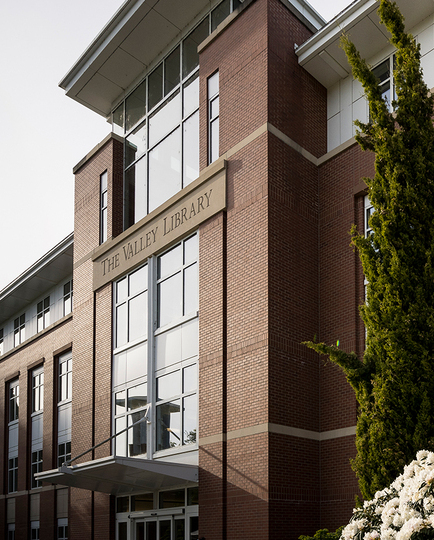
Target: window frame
[43,314]
[19,330]
[213,119]
[103,209]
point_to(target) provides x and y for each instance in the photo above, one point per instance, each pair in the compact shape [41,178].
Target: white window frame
[151,373]
[67,297]
[43,314]
[19,330]
[213,87]
[103,216]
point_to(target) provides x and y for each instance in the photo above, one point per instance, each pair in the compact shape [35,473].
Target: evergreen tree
[394,383]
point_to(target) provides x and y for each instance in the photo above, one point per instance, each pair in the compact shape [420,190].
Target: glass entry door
[160,528]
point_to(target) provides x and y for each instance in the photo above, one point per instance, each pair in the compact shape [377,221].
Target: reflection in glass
[168,347]
[189,383]
[168,425]
[135,144]
[138,316]
[165,118]
[155,86]
[137,361]
[138,280]
[189,420]
[144,501]
[191,149]
[120,402]
[119,368]
[170,299]
[136,434]
[165,170]
[170,261]
[137,397]
[191,95]
[191,298]
[118,120]
[194,528]
[219,14]
[179,529]
[165,530]
[172,70]
[135,106]
[121,439]
[121,290]
[190,56]
[190,249]
[172,498]
[121,325]
[214,140]
[136,192]
[168,385]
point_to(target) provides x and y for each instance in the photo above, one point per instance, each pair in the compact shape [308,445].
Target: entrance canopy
[122,476]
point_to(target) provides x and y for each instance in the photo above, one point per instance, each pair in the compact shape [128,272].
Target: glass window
[165,169]
[1,342]
[190,58]
[62,529]
[36,467]
[65,377]
[155,86]
[13,475]
[14,400]
[172,70]
[220,13]
[63,453]
[213,116]
[37,390]
[191,149]
[103,208]
[67,298]
[165,119]
[43,316]
[135,106]
[142,502]
[19,330]
[171,499]
[136,144]
[34,530]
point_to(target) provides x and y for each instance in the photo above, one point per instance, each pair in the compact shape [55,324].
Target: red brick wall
[91,402]
[39,351]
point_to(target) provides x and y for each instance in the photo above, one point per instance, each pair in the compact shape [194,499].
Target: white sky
[45,133]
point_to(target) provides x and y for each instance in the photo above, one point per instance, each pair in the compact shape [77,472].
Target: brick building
[152,371]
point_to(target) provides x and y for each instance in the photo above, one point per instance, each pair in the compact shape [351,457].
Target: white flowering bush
[403,511]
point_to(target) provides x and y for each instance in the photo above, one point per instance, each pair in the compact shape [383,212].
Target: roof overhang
[49,270]
[322,55]
[129,44]
[122,476]
[134,40]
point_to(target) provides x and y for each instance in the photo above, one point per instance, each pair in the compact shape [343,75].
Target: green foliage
[394,383]
[323,534]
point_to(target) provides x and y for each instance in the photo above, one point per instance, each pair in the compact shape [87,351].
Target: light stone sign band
[180,215]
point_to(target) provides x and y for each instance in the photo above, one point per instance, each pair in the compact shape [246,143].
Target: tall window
[37,381]
[384,74]
[1,342]
[11,531]
[213,117]
[103,208]
[19,329]
[13,414]
[130,361]
[161,295]
[64,408]
[62,529]
[67,298]
[43,309]
[34,530]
